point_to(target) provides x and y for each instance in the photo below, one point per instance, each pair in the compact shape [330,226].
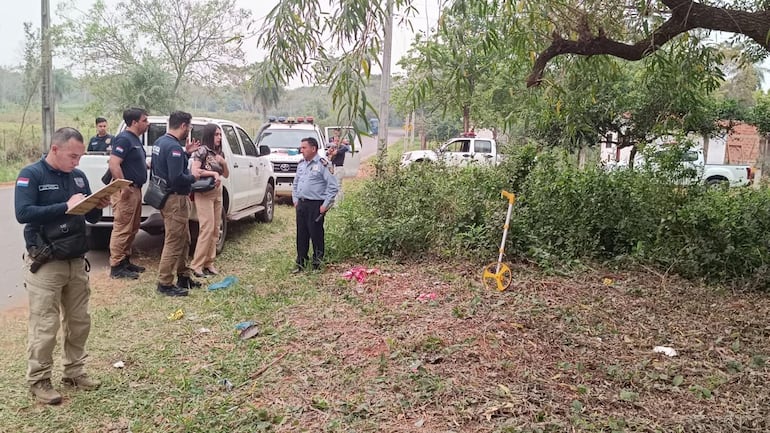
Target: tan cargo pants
[59,290]
[208,206]
[127,210]
[176,243]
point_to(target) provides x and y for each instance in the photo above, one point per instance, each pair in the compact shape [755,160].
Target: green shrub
[562,214]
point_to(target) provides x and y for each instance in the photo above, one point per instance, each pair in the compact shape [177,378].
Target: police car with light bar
[283,136]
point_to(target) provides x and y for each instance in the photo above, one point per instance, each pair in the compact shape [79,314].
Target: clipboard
[87,204]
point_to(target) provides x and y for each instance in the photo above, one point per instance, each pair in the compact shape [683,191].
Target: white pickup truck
[711,174]
[459,151]
[249,191]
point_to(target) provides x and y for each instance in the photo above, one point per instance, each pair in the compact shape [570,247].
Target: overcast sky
[19,11]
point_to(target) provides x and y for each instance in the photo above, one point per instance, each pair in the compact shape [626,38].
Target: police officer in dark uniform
[169,162]
[313,192]
[56,278]
[102,141]
[127,161]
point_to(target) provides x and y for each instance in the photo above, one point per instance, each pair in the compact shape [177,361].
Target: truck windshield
[285,138]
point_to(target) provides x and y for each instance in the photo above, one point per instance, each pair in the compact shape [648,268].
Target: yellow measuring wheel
[498,275]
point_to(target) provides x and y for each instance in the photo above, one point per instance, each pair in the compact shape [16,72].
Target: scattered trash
[204,331]
[243,325]
[427,297]
[668,351]
[226,384]
[119,364]
[176,315]
[225,283]
[359,273]
[608,281]
[419,423]
[250,332]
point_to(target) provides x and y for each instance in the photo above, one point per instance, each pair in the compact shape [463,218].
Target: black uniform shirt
[169,162]
[99,144]
[41,197]
[129,149]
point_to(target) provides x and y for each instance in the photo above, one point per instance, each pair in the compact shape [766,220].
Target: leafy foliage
[188,39]
[563,214]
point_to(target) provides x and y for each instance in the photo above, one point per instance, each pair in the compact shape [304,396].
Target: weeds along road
[12,292]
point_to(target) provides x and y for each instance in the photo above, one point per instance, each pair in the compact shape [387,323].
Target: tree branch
[685,15]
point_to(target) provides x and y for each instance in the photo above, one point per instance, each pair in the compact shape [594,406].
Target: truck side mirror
[264,150]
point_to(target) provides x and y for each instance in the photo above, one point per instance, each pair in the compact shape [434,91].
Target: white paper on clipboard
[87,204]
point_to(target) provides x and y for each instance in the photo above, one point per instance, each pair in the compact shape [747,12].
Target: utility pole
[46,66]
[382,133]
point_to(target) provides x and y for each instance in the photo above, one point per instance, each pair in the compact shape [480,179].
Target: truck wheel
[266,215]
[99,238]
[716,182]
[222,232]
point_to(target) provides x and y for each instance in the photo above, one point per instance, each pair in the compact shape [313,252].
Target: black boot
[171,290]
[185,282]
[133,267]
[121,271]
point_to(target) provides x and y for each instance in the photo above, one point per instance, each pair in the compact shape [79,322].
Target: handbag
[157,192]
[107,177]
[204,184]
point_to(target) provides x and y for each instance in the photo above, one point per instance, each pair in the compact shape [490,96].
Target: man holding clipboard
[56,276]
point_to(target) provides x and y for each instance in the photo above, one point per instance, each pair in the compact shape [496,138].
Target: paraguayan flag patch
[176,153]
[119,149]
[22,181]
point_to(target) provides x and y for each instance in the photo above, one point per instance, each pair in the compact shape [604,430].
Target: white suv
[248,191]
[283,136]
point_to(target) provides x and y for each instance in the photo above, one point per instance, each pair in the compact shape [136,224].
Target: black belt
[309,200]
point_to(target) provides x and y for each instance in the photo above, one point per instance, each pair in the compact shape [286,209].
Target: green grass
[173,372]
[549,354]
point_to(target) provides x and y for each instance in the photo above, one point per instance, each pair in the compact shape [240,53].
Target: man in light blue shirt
[313,192]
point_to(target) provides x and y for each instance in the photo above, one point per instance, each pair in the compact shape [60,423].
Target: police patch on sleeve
[108,141]
[80,182]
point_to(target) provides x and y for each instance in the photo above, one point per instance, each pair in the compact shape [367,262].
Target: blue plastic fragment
[227,282]
[244,325]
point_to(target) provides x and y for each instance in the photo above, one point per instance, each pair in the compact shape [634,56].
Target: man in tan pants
[56,277]
[169,162]
[127,161]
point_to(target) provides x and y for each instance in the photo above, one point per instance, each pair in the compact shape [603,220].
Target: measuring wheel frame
[497,275]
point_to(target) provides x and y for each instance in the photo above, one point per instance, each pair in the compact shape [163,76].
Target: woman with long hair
[208,205]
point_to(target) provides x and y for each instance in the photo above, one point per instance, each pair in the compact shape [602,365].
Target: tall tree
[336,47]
[190,39]
[629,30]
[450,66]
[298,33]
